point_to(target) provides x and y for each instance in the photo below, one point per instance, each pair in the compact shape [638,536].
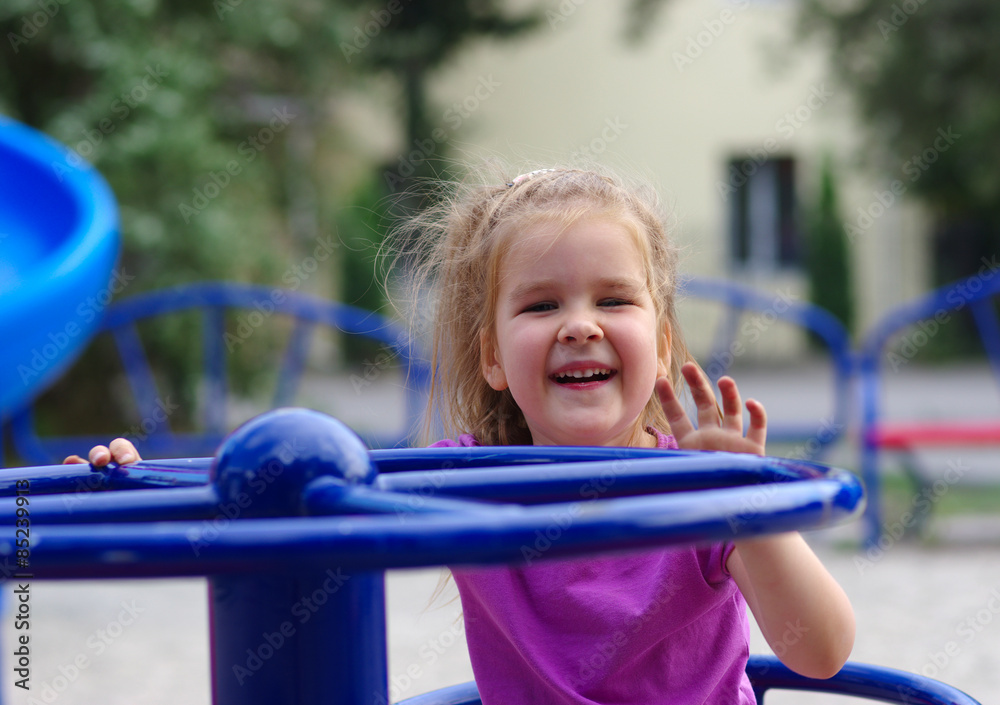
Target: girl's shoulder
[663,440]
[466,440]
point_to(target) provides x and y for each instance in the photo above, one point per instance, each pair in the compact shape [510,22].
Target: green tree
[407,41]
[924,76]
[827,254]
[194,112]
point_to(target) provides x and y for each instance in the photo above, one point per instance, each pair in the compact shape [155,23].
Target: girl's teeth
[580,374]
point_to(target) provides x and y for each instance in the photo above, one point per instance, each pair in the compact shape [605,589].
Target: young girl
[554,324]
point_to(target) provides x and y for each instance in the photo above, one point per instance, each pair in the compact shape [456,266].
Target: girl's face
[576,337]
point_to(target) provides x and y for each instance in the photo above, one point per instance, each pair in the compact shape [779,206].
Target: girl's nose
[580,329]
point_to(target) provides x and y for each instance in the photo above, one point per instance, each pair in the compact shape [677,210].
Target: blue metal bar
[214,351]
[87,506]
[858,680]
[768,673]
[325,496]
[377,542]
[989,333]
[50,479]
[292,364]
[140,376]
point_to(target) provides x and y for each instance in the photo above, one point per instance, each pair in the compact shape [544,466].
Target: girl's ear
[490,363]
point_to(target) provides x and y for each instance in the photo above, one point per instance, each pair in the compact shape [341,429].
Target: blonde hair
[463,239]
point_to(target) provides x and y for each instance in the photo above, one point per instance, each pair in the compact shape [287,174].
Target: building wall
[712,80]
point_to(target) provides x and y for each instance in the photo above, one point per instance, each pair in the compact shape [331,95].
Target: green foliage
[187,109]
[924,78]
[828,257]
[362,228]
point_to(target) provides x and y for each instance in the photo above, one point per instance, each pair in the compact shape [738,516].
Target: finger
[73,460]
[99,456]
[123,451]
[680,424]
[732,406]
[701,392]
[758,423]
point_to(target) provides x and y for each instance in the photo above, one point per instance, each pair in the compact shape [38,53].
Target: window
[762,224]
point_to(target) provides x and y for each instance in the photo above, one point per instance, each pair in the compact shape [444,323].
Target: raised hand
[120,450]
[714,431]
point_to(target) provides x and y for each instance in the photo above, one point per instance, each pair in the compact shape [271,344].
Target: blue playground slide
[58,247]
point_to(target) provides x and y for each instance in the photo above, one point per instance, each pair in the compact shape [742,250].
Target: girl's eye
[614,302]
[540,307]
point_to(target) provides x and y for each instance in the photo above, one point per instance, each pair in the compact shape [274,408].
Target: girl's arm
[803,613]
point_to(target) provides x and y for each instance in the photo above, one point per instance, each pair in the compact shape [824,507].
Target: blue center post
[309,636]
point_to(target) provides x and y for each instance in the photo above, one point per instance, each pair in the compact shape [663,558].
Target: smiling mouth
[596,374]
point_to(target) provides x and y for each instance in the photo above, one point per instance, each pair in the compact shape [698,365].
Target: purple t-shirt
[663,627]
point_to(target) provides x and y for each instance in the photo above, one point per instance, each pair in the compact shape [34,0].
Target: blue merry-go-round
[298,506]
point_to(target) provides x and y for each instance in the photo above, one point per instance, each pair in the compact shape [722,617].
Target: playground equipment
[59,240]
[754,311]
[213,302]
[914,324]
[294,506]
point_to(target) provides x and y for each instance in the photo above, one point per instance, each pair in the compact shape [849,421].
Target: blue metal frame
[740,300]
[950,298]
[212,299]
